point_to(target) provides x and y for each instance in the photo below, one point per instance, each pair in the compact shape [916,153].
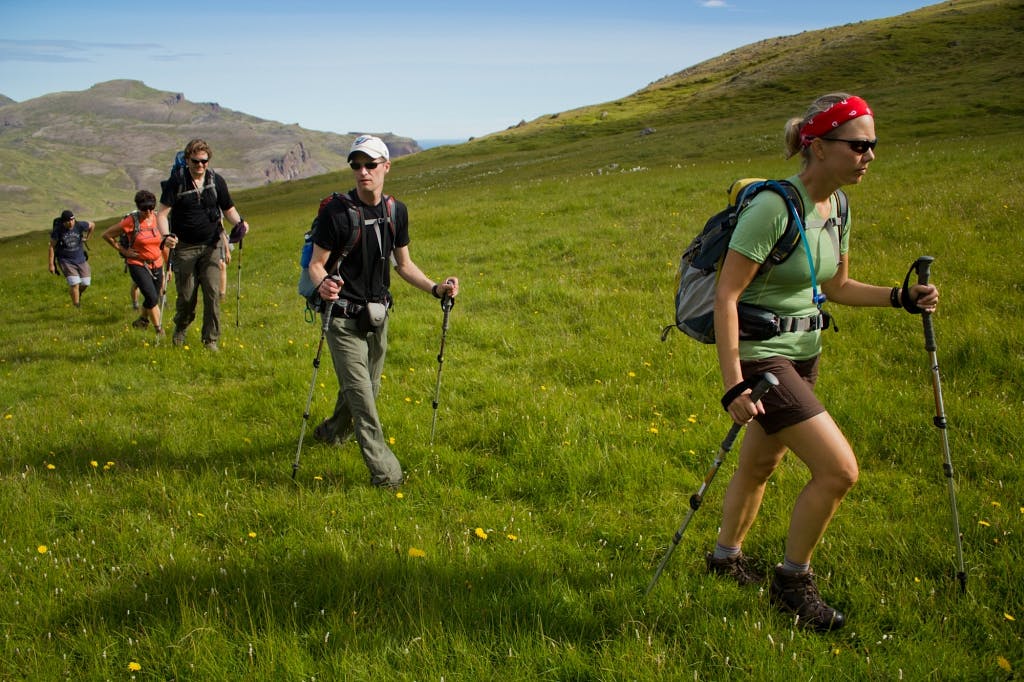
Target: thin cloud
[64,51]
[714,4]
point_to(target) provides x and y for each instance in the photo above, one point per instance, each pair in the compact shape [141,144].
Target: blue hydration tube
[817,297]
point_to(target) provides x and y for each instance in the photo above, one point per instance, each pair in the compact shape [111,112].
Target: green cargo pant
[359,362]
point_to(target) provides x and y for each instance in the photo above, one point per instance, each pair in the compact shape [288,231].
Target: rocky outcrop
[296,163]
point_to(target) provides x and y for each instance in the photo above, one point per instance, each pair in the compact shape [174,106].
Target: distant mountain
[91,150]
[4,99]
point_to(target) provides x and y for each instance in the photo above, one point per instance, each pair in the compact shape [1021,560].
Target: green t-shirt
[785,289]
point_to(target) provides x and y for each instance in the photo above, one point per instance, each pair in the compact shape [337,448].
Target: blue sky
[422,69]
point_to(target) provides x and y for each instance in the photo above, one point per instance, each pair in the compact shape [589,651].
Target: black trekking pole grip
[761,385]
[766,382]
[922,265]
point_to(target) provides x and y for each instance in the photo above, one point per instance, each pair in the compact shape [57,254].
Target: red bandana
[833,117]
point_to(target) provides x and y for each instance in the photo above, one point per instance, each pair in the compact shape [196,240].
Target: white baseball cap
[373,147]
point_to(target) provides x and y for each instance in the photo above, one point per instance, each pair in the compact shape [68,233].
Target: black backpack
[697,274]
[307,287]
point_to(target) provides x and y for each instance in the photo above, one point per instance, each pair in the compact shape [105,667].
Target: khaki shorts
[793,400]
[76,273]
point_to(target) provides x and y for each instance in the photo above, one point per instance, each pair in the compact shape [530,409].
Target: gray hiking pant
[359,361]
[197,267]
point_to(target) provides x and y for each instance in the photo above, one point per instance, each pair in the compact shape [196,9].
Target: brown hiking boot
[740,568]
[797,593]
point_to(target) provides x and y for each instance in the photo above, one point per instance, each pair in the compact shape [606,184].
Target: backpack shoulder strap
[136,226]
[790,238]
[355,222]
[836,228]
[793,195]
[209,182]
[843,206]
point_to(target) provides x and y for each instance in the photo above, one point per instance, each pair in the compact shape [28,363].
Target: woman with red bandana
[835,140]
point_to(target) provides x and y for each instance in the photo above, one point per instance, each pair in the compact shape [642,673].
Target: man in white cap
[354,277]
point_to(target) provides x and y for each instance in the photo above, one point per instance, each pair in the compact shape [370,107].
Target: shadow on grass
[382,597]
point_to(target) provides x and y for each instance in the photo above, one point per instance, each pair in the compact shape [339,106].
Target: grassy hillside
[149,513]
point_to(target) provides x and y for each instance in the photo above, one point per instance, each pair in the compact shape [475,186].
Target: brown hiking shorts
[793,400]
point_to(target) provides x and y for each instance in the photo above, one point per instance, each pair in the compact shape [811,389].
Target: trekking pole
[921,266]
[238,285]
[163,290]
[447,302]
[761,385]
[312,384]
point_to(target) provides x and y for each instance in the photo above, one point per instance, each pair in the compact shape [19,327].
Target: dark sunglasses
[369,165]
[859,146]
[200,162]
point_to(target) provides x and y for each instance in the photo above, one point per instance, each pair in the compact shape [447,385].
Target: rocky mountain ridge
[90,150]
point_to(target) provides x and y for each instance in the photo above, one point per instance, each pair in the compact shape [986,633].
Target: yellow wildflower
[134,667]
[416,553]
[42,549]
[480,533]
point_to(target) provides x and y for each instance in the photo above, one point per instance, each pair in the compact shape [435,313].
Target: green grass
[567,433]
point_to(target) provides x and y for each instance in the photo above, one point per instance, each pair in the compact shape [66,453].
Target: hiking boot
[211,346]
[797,593]
[740,568]
[320,435]
[391,485]
[140,323]
[179,337]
